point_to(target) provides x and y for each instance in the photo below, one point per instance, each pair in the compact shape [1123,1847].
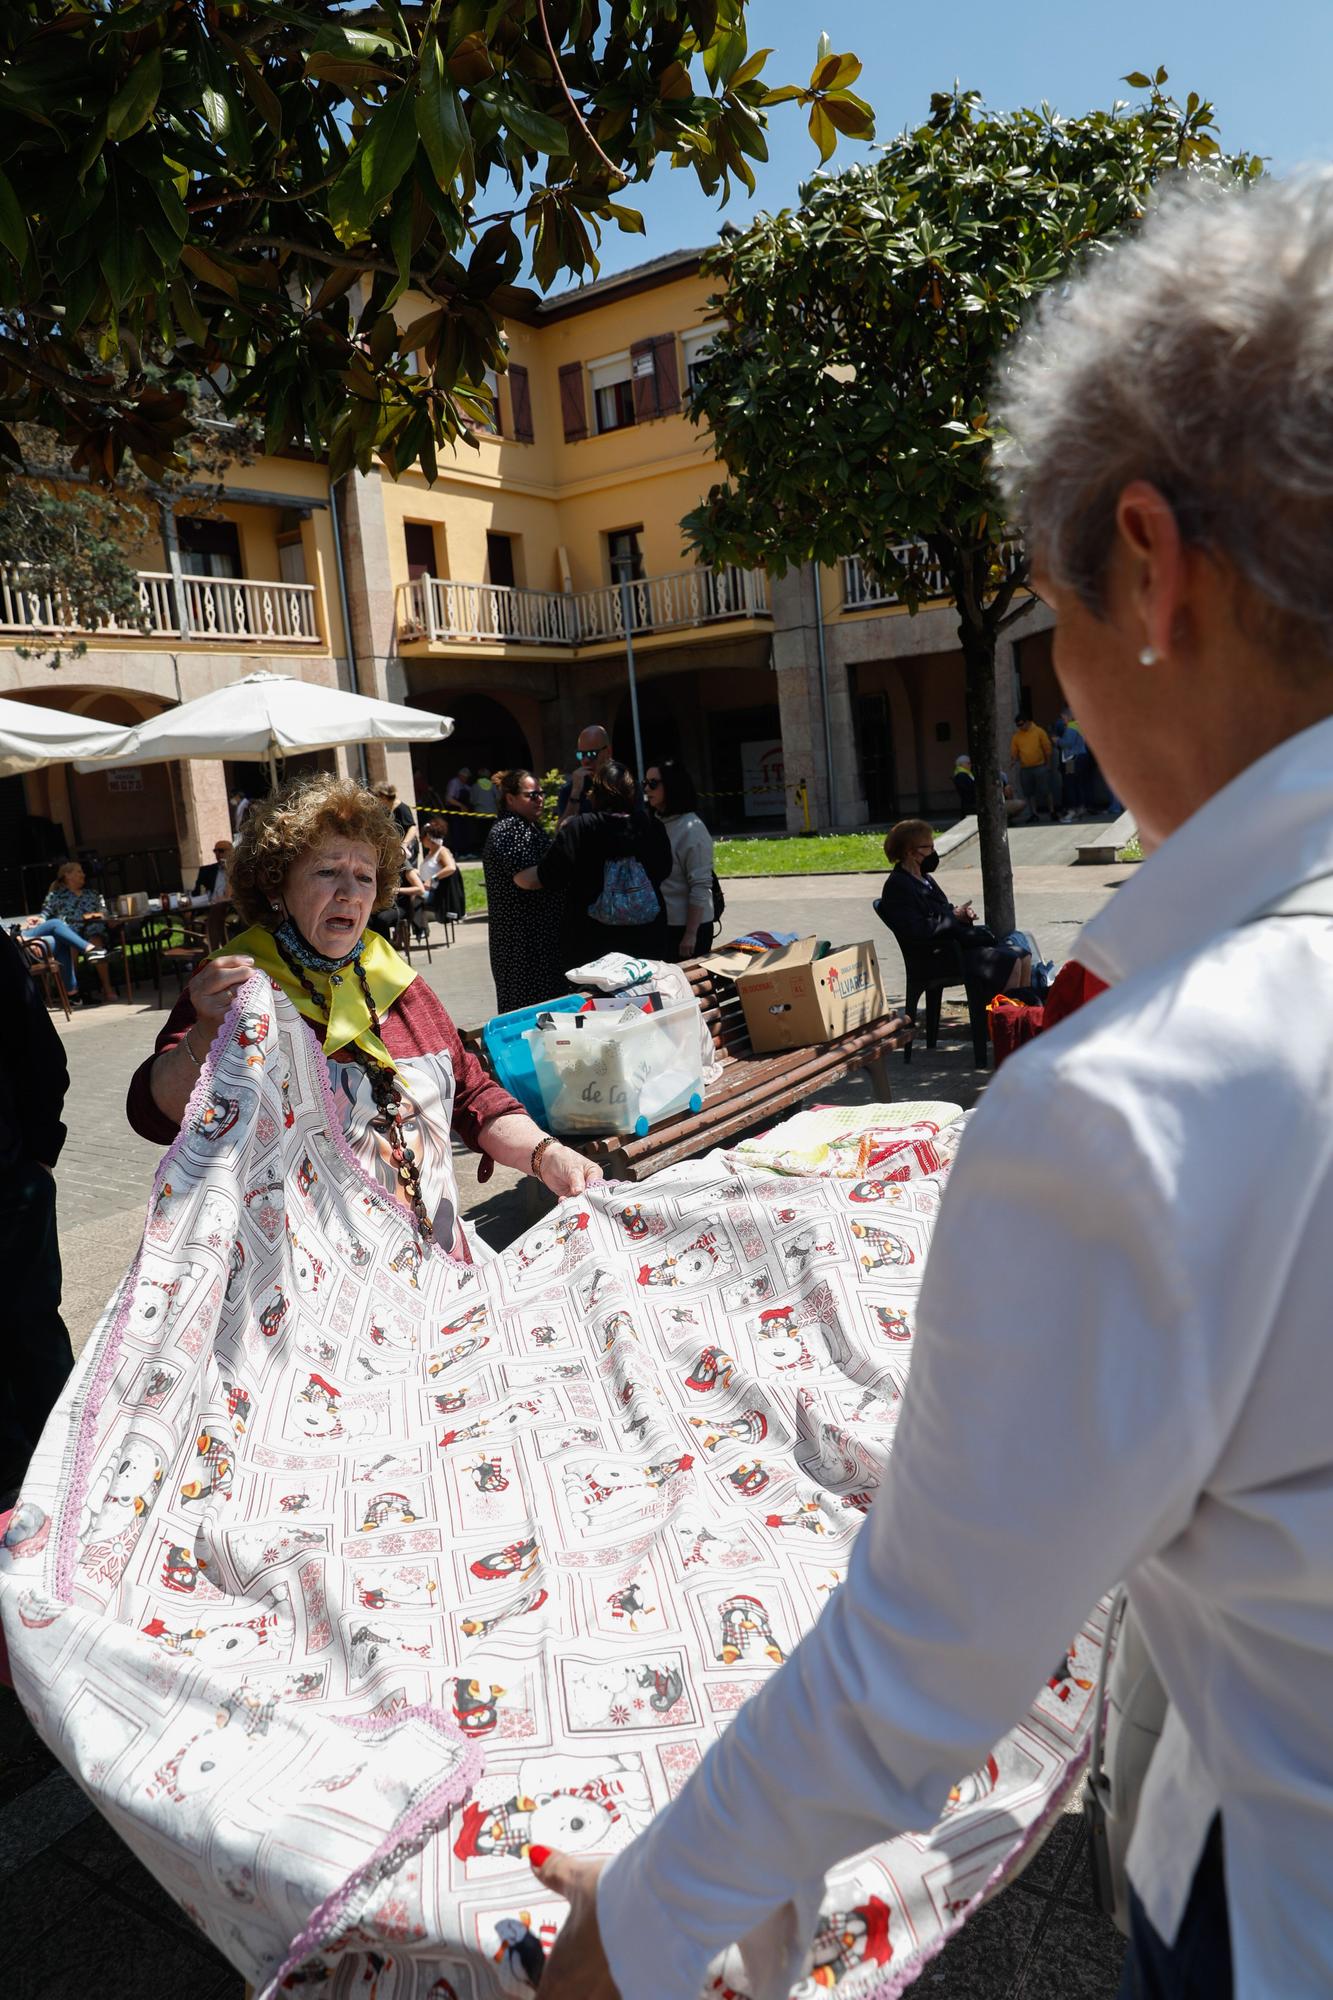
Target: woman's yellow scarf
[387,975]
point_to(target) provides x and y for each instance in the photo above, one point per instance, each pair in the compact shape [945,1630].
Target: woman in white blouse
[1169,462]
[688,889]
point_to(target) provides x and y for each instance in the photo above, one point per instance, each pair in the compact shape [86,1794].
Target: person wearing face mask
[914,907]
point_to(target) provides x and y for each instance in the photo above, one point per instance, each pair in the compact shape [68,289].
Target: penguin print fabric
[347,1572]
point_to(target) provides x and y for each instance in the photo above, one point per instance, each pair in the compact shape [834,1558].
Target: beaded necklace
[383,1084]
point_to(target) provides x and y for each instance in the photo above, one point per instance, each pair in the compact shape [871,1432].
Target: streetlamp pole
[627,620]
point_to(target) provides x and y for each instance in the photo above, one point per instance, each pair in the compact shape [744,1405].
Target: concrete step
[1105,844]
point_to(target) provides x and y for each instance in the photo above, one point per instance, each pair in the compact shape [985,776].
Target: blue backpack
[628,897]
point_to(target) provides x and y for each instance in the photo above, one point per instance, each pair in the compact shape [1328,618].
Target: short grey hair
[1196,354]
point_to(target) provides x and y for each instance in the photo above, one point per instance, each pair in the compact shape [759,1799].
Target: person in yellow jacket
[1030,751]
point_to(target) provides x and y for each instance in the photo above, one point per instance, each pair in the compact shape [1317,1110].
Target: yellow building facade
[499,596]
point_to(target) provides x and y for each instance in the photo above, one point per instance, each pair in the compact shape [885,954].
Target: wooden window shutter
[667,372]
[520,402]
[573,408]
[643,375]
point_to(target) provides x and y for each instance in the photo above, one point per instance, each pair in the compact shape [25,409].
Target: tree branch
[620,176]
[344,261]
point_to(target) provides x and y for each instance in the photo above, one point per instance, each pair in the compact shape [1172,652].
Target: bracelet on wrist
[184,1043]
[539,1153]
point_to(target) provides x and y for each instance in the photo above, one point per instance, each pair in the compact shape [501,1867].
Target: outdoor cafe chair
[42,965]
[931,965]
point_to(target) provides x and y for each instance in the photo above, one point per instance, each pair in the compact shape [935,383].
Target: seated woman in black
[917,911]
[613,827]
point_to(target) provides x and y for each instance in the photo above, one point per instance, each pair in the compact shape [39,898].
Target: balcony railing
[234,610]
[434,608]
[860,591]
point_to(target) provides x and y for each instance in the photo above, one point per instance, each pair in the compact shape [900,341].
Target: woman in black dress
[524,929]
[613,827]
[914,907]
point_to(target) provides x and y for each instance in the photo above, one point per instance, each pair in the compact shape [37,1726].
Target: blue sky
[1268,69]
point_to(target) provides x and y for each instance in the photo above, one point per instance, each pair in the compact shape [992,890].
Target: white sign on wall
[764,778]
[128,779]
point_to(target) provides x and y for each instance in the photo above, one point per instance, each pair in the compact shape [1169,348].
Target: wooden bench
[752,1089]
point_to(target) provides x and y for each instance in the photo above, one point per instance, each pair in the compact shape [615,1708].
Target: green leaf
[442,124]
[400,242]
[836,73]
[750,68]
[188,316]
[13,228]
[534,128]
[852,118]
[822,132]
[172,206]
[118,240]
[375,165]
[629,219]
[355,42]
[724,55]
[133,104]
[207,268]
[261,94]
[1137,80]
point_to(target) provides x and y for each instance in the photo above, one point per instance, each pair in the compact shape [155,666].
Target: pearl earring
[1149,657]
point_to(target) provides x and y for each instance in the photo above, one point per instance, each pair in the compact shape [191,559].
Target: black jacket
[916,908]
[34,1075]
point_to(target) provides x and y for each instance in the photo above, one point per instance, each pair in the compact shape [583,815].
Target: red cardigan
[416,1025]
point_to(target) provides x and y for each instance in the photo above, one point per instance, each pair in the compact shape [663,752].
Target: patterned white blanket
[343,1574]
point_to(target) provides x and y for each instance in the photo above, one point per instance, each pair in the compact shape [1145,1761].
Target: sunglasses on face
[652,784]
[534,794]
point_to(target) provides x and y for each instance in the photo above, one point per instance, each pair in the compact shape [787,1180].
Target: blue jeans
[65,941]
[1198,1965]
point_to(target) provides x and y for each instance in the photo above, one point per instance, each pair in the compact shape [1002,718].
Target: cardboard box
[793,1000]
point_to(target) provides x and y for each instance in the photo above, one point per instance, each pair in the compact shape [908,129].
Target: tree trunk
[997,878]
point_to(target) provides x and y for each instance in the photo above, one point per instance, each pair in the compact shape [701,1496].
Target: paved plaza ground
[81,1918]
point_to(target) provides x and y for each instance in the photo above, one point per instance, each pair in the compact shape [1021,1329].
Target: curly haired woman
[311,865]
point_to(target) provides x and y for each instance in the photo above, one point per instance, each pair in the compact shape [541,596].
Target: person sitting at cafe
[917,911]
[211,881]
[74,918]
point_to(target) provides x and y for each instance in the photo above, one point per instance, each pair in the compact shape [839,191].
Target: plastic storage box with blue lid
[510,1057]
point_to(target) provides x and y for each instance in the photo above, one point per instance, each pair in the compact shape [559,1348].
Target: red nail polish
[539,1856]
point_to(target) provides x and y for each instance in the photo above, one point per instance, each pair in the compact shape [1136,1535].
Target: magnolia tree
[848,391]
[243,190]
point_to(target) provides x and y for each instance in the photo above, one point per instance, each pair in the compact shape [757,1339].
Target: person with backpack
[689,891]
[610,861]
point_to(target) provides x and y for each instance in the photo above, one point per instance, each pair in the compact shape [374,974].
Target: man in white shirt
[1168,1420]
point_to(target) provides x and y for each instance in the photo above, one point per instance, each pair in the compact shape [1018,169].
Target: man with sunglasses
[593,750]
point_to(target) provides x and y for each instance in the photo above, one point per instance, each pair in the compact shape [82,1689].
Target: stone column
[796,613]
[205,814]
[370,592]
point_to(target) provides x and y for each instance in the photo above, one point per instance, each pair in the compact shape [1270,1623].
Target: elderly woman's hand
[213,987]
[577,1968]
[564,1171]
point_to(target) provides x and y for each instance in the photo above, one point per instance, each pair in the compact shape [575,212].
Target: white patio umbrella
[268,715]
[32,736]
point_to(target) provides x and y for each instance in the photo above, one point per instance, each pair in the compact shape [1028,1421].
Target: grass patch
[818,854]
[1131,851]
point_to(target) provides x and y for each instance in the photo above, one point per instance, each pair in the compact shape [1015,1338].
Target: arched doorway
[486,737]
